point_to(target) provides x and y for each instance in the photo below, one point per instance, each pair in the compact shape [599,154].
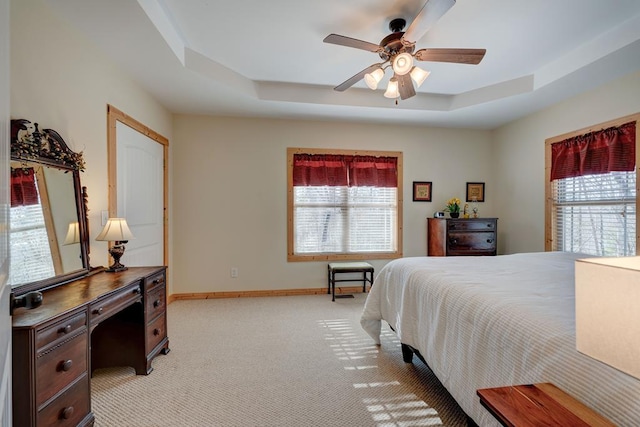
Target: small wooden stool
[348,267]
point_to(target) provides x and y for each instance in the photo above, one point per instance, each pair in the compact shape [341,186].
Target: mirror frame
[47,147]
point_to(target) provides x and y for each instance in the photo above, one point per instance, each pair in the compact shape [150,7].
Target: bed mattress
[493,321]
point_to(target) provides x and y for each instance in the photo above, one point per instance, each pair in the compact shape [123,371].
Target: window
[344,204]
[591,193]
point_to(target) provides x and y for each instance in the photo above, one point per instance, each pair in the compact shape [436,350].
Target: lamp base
[115,269]
[116,252]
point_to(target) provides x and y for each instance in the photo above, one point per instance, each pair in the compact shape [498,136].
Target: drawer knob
[156,331]
[65,330]
[65,366]
[156,281]
[136,290]
[98,310]
[489,240]
[66,413]
[156,303]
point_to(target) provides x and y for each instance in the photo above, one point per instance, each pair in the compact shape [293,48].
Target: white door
[5,289]
[140,195]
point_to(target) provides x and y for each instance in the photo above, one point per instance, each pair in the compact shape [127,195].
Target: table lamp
[607,313]
[116,230]
[73,234]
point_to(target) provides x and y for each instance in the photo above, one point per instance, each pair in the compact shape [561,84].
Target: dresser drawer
[155,302]
[471,225]
[152,282]
[63,328]
[476,242]
[156,332]
[59,365]
[105,307]
[70,408]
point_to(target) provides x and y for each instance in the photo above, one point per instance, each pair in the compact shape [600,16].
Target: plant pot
[454,214]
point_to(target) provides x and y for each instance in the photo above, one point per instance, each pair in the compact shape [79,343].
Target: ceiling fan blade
[350,42]
[428,15]
[459,56]
[355,79]
[405,86]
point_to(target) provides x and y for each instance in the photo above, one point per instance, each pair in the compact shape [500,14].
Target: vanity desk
[101,320]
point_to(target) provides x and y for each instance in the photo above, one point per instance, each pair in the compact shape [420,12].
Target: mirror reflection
[44,232]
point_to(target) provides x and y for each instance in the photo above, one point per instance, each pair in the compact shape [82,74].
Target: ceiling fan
[396,51]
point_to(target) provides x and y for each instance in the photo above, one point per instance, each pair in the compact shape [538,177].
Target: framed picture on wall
[475,191]
[421,191]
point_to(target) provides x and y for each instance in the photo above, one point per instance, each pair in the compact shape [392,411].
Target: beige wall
[519,149]
[61,82]
[228,175]
[230,193]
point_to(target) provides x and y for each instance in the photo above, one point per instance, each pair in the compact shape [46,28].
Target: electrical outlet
[234,272]
[105,217]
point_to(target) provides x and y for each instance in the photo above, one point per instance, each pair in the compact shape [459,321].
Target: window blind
[331,219]
[595,214]
[29,244]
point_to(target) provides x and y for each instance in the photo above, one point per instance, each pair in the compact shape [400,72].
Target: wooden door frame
[113,116]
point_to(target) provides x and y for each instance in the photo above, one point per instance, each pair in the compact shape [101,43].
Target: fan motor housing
[392,44]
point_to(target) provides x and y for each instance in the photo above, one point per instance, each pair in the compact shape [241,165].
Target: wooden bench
[543,404]
[348,267]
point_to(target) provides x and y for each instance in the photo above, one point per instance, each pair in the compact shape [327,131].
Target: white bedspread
[494,321]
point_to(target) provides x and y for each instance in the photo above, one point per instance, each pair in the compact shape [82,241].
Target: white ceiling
[267,58]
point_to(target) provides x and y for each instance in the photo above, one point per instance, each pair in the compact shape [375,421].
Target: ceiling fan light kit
[373,78]
[402,63]
[392,89]
[397,48]
[419,75]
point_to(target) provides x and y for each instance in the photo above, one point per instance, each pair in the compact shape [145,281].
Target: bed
[482,322]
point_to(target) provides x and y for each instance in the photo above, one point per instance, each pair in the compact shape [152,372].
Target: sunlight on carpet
[275,361]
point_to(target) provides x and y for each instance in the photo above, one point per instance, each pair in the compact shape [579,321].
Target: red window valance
[23,187]
[344,170]
[608,150]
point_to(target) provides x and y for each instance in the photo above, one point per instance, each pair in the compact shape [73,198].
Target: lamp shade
[115,230]
[73,234]
[608,311]
[419,75]
[392,89]
[402,63]
[372,79]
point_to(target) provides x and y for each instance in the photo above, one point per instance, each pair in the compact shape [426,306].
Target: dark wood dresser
[106,319]
[457,236]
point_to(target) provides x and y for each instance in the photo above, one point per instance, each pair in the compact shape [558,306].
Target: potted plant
[453,207]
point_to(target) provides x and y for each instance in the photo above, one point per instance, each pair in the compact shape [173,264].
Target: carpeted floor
[274,361]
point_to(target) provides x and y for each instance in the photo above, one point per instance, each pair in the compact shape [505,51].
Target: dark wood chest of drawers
[108,319]
[459,237]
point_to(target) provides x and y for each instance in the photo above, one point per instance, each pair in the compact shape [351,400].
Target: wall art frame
[475,192]
[422,191]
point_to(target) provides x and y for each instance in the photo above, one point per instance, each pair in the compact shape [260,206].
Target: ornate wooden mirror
[48,215]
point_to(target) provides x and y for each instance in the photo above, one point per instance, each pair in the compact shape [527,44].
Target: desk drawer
[63,328]
[60,365]
[156,332]
[109,305]
[155,302]
[152,282]
[70,408]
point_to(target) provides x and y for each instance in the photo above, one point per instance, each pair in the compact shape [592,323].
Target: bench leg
[333,286]
[328,280]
